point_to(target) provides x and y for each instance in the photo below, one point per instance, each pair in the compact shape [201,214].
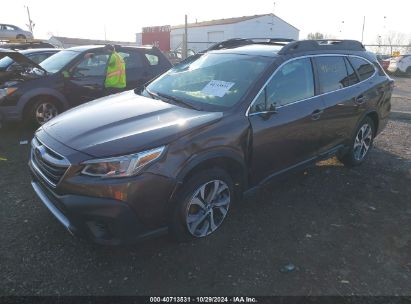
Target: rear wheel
[202,205]
[43,110]
[361,144]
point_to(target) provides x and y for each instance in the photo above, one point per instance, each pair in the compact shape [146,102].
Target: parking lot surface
[340,231]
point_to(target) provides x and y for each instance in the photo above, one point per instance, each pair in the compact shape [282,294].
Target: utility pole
[31,23]
[185,41]
[105,33]
[363,27]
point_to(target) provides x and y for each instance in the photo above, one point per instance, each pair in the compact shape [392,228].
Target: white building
[203,34]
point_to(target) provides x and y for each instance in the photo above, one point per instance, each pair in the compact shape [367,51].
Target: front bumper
[104,221]
[107,220]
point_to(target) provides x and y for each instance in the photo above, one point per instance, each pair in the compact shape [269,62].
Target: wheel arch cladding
[35,98]
[232,165]
[375,119]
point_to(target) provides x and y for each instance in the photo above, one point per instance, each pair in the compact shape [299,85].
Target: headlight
[6,92]
[122,166]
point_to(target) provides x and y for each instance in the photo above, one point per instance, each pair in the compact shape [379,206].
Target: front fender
[26,97]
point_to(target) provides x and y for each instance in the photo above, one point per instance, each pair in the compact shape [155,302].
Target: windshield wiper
[176,100]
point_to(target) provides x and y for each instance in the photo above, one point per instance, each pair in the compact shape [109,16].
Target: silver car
[8,31]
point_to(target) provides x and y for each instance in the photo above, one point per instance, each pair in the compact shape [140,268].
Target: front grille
[50,165]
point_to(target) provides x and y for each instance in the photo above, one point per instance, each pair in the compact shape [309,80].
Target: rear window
[364,69]
[332,73]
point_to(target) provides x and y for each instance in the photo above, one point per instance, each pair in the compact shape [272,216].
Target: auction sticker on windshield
[217,88]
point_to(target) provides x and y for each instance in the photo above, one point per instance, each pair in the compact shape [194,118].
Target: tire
[197,212]
[20,36]
[360,145]
[42,110]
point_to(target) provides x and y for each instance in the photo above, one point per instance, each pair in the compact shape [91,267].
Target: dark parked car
[178,154]
[71,77]
[35,55]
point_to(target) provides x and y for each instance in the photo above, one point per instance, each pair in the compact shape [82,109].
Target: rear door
[286,120]
[336,79]
[347,87]
[137,67]
[86,77]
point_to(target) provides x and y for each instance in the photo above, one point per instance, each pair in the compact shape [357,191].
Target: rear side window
[132,60]
[332,73]
[364,69]
[352,76]
[152,59]
[293,82]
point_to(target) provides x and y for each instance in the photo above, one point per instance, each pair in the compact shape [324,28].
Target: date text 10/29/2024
[203,300]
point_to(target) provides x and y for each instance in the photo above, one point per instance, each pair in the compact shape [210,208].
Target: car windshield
[214,79]
[56,62]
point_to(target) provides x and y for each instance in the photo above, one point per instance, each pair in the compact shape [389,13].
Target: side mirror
[271,110]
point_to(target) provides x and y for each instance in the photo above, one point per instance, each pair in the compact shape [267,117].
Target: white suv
[400,64]
[8,31]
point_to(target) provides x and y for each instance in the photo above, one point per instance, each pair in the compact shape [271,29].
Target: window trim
[247,114]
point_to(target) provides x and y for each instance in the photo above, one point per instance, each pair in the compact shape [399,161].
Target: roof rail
[236,42]
[320,45]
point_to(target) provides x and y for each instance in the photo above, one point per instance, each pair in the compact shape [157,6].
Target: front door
[85,79]
[285,120]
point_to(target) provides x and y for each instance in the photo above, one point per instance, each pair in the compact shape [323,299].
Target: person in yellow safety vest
[116,71]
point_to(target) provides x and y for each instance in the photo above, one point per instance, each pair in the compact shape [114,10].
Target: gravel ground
[341,232]
[346,231]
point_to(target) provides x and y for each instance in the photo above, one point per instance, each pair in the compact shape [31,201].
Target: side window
[293,82]
[364,69]
[132,60]
[332,73]
[91,65]
[352,76]
[152,59]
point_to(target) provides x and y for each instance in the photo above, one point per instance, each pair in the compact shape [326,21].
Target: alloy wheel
[362,142]
[207,208]
[45,111]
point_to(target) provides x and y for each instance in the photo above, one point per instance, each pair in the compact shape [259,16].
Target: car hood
[28,71]
[19,58]
[124,123]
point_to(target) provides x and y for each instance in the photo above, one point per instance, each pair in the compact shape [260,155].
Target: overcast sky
[122,19]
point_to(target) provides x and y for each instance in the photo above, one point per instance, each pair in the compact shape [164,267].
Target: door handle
[316,114]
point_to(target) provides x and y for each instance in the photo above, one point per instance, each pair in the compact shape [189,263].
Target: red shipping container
[158,36]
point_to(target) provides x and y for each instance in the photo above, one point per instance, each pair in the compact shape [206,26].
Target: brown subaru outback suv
[176,154]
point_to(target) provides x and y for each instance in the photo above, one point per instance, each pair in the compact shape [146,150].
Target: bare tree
[390,42]
[315,36]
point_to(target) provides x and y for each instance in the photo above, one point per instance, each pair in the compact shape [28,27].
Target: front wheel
[20,36]
[43,110]
[361,144]
[202,205]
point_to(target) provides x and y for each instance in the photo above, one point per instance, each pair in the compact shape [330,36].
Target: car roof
[253,49]
[83,48]
[32,51]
